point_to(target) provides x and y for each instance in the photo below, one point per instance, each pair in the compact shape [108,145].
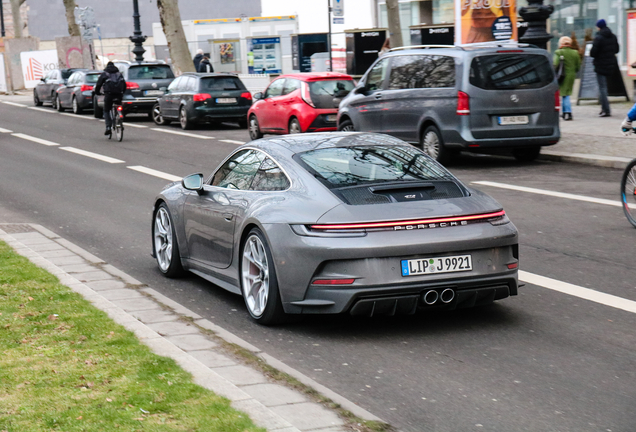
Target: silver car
[331,223]
[447,100]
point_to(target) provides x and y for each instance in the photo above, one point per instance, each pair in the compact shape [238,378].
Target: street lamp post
[536,14]
[138,39]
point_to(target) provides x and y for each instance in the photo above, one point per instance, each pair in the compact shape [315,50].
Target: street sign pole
[329,44]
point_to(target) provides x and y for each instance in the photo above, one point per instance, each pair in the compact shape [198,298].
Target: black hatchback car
[145,82]
[77,94]
[203,98]
[46,89]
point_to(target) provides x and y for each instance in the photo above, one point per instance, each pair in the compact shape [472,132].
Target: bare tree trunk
[17,18]
[173,29]
[395,29]
[73,28]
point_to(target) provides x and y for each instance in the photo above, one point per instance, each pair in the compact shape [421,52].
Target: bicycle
[628,192]
[117,118]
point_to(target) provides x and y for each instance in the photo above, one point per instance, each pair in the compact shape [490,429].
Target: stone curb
[586,159]
[130,303]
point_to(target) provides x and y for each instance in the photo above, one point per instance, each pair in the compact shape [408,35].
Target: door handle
[378,96]
[228,216]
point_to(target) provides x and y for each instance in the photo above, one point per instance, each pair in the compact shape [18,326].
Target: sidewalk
[210,353]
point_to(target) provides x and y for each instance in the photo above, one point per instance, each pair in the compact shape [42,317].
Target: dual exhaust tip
[432,296]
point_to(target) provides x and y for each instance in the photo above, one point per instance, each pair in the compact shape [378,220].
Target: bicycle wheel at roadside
[628,192]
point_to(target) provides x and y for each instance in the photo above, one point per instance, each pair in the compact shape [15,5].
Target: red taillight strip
[333,282]
[409,222]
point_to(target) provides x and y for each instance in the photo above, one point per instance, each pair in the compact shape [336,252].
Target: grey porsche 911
[331,223]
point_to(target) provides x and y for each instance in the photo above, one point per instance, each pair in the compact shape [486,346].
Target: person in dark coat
[197,59]
[205,66]
[112,74]
[604,50]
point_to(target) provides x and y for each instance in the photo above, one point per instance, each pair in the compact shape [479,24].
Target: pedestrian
[197,59]
[571,65]
[604,50]
[386,46]
[205,66]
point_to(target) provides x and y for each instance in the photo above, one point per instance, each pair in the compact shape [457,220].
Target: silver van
[449,99]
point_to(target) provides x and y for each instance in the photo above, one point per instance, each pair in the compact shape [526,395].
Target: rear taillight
[305,94]
[333,281]
[120,108]
[247,95]
[85,87]
[200,97]
[557,101]
[132,85]
[463,103]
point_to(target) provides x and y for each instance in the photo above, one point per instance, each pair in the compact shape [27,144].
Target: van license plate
[225,100]
[448,264]
[513,120]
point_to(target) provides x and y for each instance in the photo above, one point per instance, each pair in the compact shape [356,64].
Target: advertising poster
[226,50]
[36,64]
[631,42]
[482,21]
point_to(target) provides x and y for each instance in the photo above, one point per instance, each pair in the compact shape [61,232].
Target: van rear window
[511,71]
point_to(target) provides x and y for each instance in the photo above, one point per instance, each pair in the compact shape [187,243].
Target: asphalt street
[545,360]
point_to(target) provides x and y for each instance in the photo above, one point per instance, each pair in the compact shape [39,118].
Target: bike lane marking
[34,139]
[155,173]
[14,104]
[77,116]
[97,156]
[578,291]
[135,125]
[233,142]
[5,130]
[553,193]
[182,133]
[46,110]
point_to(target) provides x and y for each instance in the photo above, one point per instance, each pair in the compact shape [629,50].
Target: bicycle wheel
[628,192]
[119,128]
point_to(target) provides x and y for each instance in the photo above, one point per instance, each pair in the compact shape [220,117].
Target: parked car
[46,89]
[451,99]
[145,83]
[301,102]
[199,98]
[77,94]
[332,223]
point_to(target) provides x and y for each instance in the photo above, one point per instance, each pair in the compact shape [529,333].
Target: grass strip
[65,365]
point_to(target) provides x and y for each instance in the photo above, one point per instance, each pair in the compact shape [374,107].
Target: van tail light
[132,85]
[557,101]
[200,97]
[247,95]
[305,95]
[85,87]
[463,103]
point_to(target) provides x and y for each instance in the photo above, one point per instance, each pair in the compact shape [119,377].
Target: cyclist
[114,85]
[627,126]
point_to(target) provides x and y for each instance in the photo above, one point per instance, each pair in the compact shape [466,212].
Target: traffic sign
[338,8]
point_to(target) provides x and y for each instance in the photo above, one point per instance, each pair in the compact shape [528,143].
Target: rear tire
[433,145]
[165,247]
[97,111]
[346,126]
[58,104]
[183,119]
[526,154]
[36,99]
[255,129]
[628,192]
[76,108]
[294,126]
[157,117]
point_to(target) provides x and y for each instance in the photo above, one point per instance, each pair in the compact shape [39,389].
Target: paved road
[542,361]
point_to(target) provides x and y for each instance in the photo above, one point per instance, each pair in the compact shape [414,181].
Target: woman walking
[571,65]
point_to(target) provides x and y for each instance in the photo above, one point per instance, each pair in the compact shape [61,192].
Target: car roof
[208,75]
[470,50]
[317,76]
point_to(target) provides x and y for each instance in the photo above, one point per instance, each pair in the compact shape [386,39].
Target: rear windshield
[323,92]
[511,71]
[362,165]
[92,78]
[221,83]
[150,72]
[67,73]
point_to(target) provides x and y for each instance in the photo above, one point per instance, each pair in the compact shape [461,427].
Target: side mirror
[42,79]
[361,89]
[258,96]
[193,182]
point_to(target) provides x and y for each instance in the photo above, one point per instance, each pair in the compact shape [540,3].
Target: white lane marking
[578,291]
[5,130]
[91,155]
[134,125]
[34,139]
[182,133]
[553,194]
[77,116]
[155,173]
[46,110]
[233,142]
[14,104]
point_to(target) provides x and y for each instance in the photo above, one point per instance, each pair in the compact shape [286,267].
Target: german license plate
[225,100]
[427,266]
[513,120]
[153,93]
[332,118]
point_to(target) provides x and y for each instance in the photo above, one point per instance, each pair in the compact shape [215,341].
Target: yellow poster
[480,21]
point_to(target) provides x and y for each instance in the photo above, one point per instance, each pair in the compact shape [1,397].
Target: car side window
[238,171]
[174,84]
[291,85]
[421,71]
[192,84]
[376,76]
[275,88]
[72,79]
[270,177]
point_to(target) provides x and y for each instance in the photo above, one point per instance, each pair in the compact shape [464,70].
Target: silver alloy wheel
[156,114]
[294,127]
[182,118]
[75,107]
[254,130]
[431,144]
[255,275]
[348,128]
[163,239]
[57,103]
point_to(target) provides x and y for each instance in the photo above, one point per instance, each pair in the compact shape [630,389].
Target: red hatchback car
[301,102]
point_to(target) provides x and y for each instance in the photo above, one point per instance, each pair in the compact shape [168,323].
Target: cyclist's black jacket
[104,76]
